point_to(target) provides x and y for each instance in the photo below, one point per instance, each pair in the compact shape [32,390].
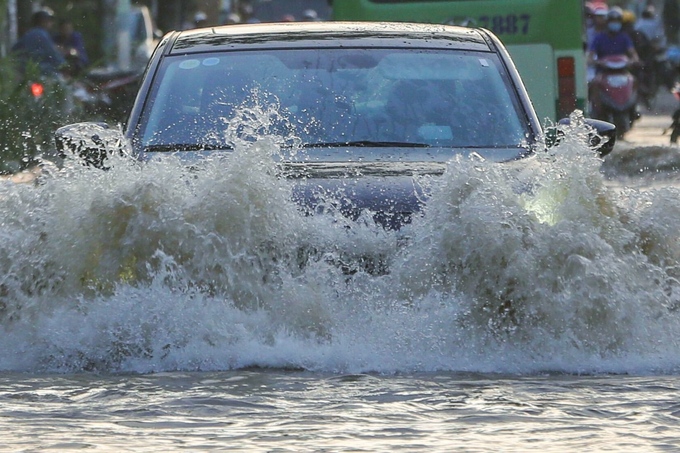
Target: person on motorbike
[596,24]
[650,25]
[613,41]
[640,40]
[614,51]
[72,45]
[36,45]
[644,72]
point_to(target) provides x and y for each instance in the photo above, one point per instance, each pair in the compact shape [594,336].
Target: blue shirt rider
[613,41]
[36,45]
[71,43]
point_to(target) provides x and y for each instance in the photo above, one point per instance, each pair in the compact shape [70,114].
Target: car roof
[327,34]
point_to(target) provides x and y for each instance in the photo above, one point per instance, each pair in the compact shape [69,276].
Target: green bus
[544,37]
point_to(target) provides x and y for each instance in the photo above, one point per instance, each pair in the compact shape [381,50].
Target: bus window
[548,53]
[276,10]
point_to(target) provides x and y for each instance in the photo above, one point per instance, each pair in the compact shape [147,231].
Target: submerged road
[649,129]
[646,158]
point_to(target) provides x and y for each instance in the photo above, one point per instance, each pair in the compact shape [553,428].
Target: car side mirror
[92,143]
[602,136]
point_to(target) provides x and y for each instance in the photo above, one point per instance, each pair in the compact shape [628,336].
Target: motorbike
[614,93]
[108,93]
[655,71]
[105,94]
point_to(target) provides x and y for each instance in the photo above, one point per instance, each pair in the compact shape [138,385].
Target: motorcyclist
[650,25]
[642,44]
[597,22]
[650,72]
[613,41]
[36,45]
[71,44]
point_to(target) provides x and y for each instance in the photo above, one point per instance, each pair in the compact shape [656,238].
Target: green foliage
[27,124]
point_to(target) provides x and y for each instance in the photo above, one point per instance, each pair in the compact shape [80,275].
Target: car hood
[390,191]
[360,169]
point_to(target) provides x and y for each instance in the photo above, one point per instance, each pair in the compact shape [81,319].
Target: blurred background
[114,39]
[107,44]
[99,20]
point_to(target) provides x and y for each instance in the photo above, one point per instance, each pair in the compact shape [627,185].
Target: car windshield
[338,97]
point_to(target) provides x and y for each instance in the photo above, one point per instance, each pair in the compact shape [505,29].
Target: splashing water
[533,266]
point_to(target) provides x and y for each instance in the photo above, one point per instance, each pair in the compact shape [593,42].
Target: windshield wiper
[187,147]
[366,144]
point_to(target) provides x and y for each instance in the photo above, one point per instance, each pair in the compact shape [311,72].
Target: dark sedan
[361,107]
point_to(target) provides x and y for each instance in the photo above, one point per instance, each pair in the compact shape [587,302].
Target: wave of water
[156,267]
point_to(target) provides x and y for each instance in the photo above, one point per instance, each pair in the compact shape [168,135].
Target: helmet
[615,14]
[310,15]
[628,17]
[600,10]
[232,19]
[649,12]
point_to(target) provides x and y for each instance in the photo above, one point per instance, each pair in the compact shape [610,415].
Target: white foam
[154,267]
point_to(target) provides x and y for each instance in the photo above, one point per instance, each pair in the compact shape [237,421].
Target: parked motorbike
[108,94]
[614,93]
[57,89]
[104,94]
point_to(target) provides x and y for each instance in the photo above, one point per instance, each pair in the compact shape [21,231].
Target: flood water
[157,307]
[292,411]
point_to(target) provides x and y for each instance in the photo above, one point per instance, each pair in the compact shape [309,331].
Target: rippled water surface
[289,411]
[157,306]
